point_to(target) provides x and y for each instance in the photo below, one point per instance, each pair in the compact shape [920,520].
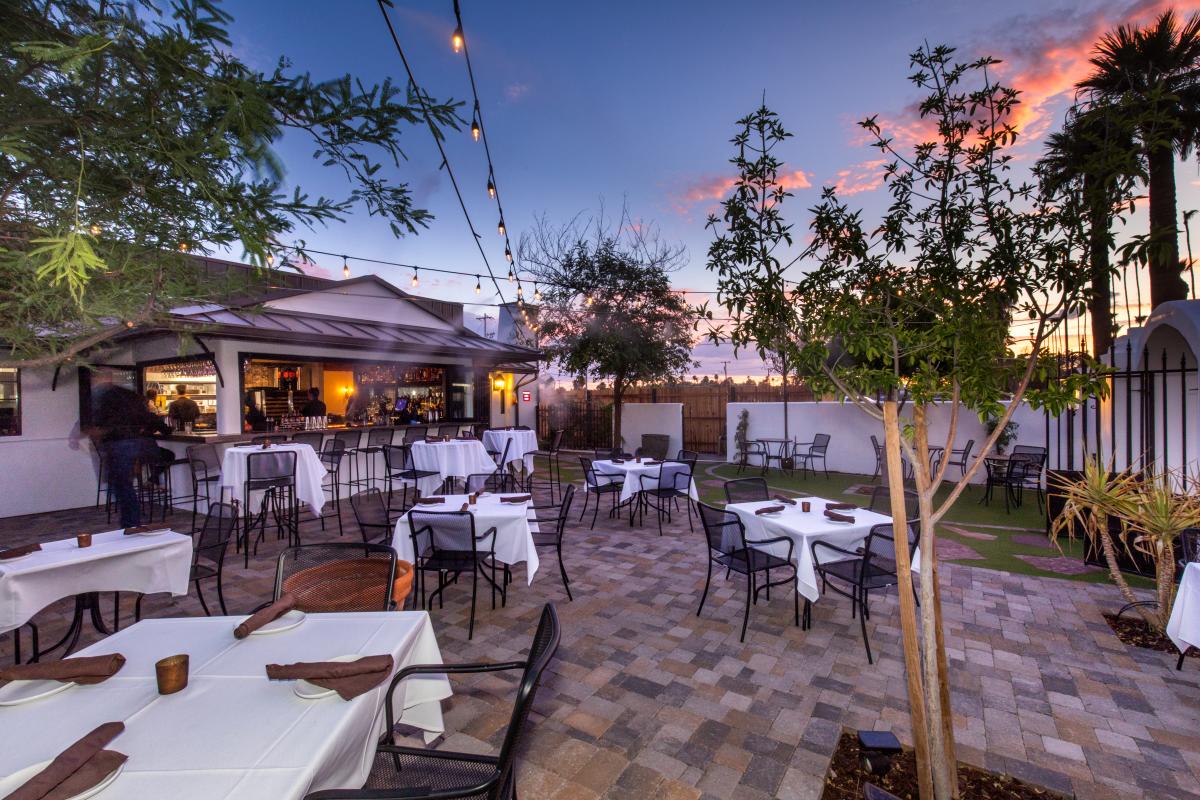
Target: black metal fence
[587,424]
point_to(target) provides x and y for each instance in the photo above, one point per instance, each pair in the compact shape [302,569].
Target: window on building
[10,402]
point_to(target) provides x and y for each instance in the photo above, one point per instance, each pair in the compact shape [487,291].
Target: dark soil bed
[846,777]
[1133,630]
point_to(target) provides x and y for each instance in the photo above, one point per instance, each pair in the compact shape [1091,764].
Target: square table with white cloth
[160,561]
[524,445]
[1183,628]
[804,528]
[232,733]
[633,470]
[514,523]
[310,472]
[456,458]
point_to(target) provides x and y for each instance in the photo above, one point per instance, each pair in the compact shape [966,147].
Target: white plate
[158,532]
[4,561]
[838,521]
[19,692]
[310,691]
[15,780]
[291,619]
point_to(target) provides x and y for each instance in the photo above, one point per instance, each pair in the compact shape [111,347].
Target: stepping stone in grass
[956,551]
[983,537]
[1063,565]
[1033,540]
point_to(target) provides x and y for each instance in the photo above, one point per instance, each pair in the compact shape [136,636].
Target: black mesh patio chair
[398,466]
[661,491]
[479,429]
[1001,472]
[608,453]
[377,439]
[205,467]
[552,454]
[445,542]
[209,546]
[598,483]
[272,472]
[313,439]
[748,450]
[418,774]
[552,524]
[371,514]
[486,482]
[881,502]
[961,457]
[856,573]
[269,438]
[746,490]
[816,450]
[414,433]
[878,448]
[337,576]
[1028,473]
[728,547]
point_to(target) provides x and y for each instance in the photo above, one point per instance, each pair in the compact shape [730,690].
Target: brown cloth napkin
[840,506]
[836,517]
[76,769]
[21,550]
[781,499]
[348,678]
[768,509]
[85,670]
[430,501]
[147,529]
[284,604]
[516,498]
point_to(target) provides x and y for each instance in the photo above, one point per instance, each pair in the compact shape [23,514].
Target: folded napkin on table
[86,670]
[430,501]
[836,517]
[147,529]
[515,498]
[21,550]
[76,769]
[768,509]
[651,462]
[781,499]
[840,506]
[433,440]
[284,604]
[348,678]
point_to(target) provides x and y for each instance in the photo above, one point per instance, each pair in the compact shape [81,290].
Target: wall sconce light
[498,384]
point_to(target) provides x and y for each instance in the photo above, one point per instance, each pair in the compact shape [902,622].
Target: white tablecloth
[805,528]
[114,563]
[1184,626]
[513,523]
[633,471]
[457,458]
[524,443]
[310,473]
[232,733]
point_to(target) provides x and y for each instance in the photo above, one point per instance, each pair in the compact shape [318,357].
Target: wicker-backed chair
[746,490]
[552,524]
[728,547]
[414,773]
[339,576]
[445,543]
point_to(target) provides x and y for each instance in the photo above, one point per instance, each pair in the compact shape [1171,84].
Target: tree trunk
[1100,300]
[1166,280]
[904,588]
[785,401]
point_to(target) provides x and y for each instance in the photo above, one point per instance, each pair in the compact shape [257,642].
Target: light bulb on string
[500,229]
[508,253]
[345,268]
[491,189]
[475,129]
[183,247]
[588,301]
[520,291]
[456,41]
[478,289]
[537,293]
[415,280]
[95,230]
[511,276]
[270,259]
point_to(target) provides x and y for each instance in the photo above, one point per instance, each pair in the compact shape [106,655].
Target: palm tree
[1154,72]
[1095,151]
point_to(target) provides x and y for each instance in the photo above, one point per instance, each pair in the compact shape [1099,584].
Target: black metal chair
[748,450]
[205,467]
[598,484]
[501,459]
[414,433]
[337,576]
[272,472]
[417,774]
[269,438]
[878,448]
[856,573]
[608,453]
[208,554]
[398,466]
[961,457]
[331,456]
[478,429]
[1003,473]
[881,502]
[553,457]
[350,440]
[662,490]
[551,528]
[445,542]
[1028,475]
[817,449]
[313,439]
[485,482]
[377,439]
[746,490]
[371,514]
[728,547]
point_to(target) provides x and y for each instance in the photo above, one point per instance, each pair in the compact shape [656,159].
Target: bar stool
[377,438]
[272,472]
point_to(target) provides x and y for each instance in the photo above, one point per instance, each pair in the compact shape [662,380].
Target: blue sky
[633,103]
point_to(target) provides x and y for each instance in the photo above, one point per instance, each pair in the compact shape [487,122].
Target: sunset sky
[634,102]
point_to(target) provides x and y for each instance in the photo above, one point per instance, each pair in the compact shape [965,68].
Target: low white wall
[639,418]
[850,429]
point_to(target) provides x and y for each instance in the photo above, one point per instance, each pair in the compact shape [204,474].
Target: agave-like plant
[1165,503]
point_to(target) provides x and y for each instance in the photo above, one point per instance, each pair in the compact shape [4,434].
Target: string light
[511,276]
[537,293]
[520,292]
[345,268]
[588,302]
[183,248]
[475,130]
[270,259]
[491,188]
[457,39]
[501,230]
[415,280]
[508,253]
[477,287]
[96,228]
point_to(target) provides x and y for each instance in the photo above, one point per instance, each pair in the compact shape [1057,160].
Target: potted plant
[1006,436]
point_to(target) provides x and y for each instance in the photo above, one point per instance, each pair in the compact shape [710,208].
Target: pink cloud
[515,91]
[865,176]
[714,188]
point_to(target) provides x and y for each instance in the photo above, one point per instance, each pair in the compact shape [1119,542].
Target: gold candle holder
[84,540]
[172,674]
[473,497]
[805,506]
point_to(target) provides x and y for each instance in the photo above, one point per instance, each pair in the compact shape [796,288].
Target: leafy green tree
[1153,74]
[745,251]
[607,308]
[131,135]
[918,309]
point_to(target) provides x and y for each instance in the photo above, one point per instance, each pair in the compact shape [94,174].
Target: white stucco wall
[850,429]
[639,418]
[366,301]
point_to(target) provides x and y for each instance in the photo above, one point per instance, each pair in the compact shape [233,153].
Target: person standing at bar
[256,420]
[315,407]
[123,429]
[183,410]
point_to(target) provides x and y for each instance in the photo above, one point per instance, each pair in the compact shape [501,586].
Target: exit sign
[526,397]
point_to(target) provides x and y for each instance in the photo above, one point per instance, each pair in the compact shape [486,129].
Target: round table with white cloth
[456,458]
[310,472]
[514,524]
[524,445]
[1183,628]
[634,469]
